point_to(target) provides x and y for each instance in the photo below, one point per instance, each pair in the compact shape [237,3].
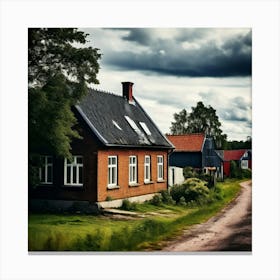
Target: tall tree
[201,119]
[179,126]
[60,67]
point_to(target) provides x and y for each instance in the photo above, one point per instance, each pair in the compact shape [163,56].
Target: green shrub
[128,206]
[182,201]
[109,198]
[234,170]
[246,173]
[192,189]
[156,200]
[167,198]
[189,172]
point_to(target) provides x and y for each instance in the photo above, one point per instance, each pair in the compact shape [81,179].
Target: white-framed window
[244,164]
[147,169]
[112,171]
[46,170]
[132,170]
[73,171]
[160,167]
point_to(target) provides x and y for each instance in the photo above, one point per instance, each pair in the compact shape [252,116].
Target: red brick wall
[123,172]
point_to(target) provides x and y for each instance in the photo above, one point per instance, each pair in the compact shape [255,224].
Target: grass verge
[99,233]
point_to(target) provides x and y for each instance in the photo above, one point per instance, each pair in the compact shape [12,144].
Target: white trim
[147,179]
[112,182]
[45,166]
[132,174]
[160,166]
[72,165]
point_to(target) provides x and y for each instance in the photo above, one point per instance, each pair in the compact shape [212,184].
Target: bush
[246,173]
[239,173]
[167,198]
[234,170]
[128,206]
[182,201]
[156,200]
[189,172]
[192,189]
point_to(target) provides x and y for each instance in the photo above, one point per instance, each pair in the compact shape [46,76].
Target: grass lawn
[102,233]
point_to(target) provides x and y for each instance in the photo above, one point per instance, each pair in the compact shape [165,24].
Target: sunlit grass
[99,233]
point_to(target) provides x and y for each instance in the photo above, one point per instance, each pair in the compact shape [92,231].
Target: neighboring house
[197,151]
[122,154]
[242,157]
[175,175]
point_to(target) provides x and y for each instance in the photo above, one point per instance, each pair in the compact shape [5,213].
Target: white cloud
[163,95]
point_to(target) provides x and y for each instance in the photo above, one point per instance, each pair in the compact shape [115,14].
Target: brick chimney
[127,91]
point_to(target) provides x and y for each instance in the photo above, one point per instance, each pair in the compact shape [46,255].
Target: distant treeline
[236,145]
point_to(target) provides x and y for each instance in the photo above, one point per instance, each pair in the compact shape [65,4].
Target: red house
[242,157]
[122,154]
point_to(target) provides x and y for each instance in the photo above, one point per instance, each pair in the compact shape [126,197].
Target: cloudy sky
[175,68]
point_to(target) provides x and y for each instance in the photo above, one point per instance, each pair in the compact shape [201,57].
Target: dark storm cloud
[169,56]
[139,35]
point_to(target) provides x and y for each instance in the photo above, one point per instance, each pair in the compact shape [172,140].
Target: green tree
[201,119]
[204,119]
[60,68]
[179,126]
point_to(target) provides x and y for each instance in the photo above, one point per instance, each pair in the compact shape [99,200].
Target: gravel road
[230,230]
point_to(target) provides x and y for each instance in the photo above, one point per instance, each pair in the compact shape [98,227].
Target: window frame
[147,166]
[45,166]
[72,165]
[132,166]
[244,164]
[112,166]
[160,165]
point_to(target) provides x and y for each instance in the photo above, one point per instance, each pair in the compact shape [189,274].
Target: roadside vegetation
[160,219]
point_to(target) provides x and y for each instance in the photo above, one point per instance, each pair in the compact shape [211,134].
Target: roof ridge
[103,91]
[196,133]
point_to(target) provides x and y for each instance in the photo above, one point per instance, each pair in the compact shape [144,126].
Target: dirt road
[230,230]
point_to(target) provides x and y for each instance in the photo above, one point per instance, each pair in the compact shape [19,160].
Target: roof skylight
[133,124]
[145,128]
[116,125]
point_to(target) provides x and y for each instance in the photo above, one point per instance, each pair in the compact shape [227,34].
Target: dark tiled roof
[105,114]
[188,142]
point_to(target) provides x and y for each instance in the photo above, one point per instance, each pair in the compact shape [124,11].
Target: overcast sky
[175,68]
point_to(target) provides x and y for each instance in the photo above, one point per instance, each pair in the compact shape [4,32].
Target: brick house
[122,154]
[194,150]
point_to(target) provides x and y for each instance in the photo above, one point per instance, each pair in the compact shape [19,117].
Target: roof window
[145,128]
[133,124]
[116,125]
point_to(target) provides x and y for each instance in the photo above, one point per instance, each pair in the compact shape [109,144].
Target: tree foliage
[60,68]
[201,119]
[179,126]
[236,145]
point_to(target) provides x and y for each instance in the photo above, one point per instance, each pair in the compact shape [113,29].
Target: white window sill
[161,180]
[148,182]
[113,187]
[134,184]
[73,186]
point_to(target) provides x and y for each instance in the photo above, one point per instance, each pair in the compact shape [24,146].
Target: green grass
[99,233]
